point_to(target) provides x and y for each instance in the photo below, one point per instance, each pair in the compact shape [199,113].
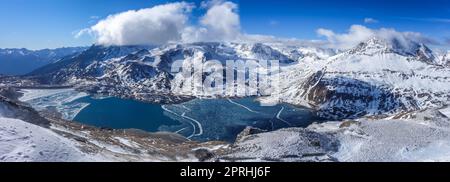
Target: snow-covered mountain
[22,61]
[374,78]
[445,59]
[143,73]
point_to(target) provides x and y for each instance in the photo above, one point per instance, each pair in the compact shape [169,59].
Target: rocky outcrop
[342,97]
[289,144]
[248,131]
[13,109]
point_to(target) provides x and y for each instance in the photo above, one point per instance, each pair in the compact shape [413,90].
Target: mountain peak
[377,45]
[373,44]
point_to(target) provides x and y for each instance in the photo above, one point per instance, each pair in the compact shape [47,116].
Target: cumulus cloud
[221,22]
[355,35]
[168,23]
[370,20]
[157,25]
[358,33]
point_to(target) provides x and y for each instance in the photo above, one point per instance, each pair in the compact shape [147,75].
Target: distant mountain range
[22,61]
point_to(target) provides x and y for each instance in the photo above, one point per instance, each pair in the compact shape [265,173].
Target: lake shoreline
[189,123]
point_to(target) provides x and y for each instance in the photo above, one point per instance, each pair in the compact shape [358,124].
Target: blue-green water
[199,119]
[123,113]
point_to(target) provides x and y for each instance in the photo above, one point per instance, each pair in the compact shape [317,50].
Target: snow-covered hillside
[33,140]
[445,59]
[371,79]
[22,141]
[413,136]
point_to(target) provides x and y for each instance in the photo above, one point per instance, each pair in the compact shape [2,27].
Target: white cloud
[355,35]
[268,39]
[79,33]
[370,20]
[157,25]
[220,23]
[168,23]
[206,4]
[358,33]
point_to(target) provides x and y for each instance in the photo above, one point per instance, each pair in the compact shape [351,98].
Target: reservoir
[198,119]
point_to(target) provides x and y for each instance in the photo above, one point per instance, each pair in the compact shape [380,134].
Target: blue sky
[37,24]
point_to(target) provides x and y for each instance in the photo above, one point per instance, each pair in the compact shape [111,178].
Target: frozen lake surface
[199,119]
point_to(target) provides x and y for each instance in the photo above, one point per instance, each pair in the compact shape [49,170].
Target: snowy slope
[415,136]
[25,136]
[445,59]
[22,141]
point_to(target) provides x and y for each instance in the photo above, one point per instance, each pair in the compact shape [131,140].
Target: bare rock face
[203,154]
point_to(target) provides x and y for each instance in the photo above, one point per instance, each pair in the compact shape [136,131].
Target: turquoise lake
[199,119]
[123,113]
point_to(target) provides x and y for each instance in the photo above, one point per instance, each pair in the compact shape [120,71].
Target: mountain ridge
[21,61]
